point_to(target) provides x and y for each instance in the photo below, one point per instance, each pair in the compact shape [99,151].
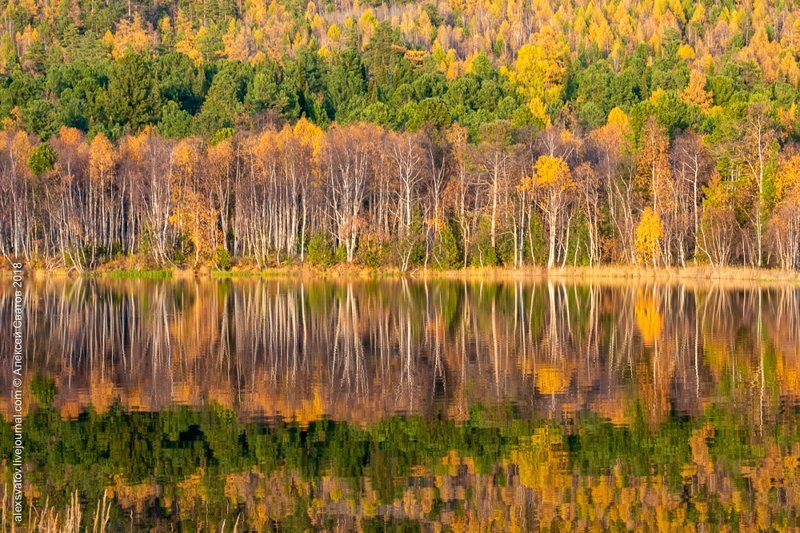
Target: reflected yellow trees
[360,351]
[464,406]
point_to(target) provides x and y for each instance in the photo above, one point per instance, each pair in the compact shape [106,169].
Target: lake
[408,405]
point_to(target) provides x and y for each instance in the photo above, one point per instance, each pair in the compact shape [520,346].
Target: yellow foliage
[787,177]
[648,319]
[130,36]
[553,172]
[185,155]
[699,15]
[618,119]
[237,43]
[540,67]
[656,95]
[334,33]
[685,52]
[538,110]
[70,136]
[309,134]
[26,38]
[550,380]
[187,39]
[102,157]
[540,459]
[367,19]
[648,234]
[695,92]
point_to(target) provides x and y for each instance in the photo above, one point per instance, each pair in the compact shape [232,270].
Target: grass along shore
[701,273]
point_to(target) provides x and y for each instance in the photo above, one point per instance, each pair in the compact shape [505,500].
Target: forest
[399,134]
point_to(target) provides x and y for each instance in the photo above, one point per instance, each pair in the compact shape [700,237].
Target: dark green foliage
[578,253]
[132,99]
[39,118]
[44,390]
[222,258]
[722,89]
[373,252]
[320,250]
[175,122]
[346,86]
[378,113]
[446,252]
[225,98]
[42,159]
[482,253]
[180,81]
[429,112]
[268,91]
[384,61]
[536,241]
[172,446]
[505,249]
[66,77]
[304,80]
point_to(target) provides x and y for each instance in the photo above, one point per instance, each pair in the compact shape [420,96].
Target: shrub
[536,241]
[410,248]
[505,248]
[373,252]
[320,250]
[482,253]
[42,159]
[222,258]
[447,250]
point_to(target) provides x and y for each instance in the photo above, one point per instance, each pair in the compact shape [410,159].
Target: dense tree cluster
[361,193]
[441,134]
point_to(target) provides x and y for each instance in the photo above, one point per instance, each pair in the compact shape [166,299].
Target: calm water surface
[409,405]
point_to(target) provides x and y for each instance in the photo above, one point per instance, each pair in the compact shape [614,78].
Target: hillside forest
[404,134]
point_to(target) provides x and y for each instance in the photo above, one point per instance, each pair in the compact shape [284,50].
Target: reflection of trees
[365,349]
[428,473]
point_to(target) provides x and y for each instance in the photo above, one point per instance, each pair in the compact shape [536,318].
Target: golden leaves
[185,155]
[648,319]
[130,36]
[309,134]
[648,234]
[685,52]
[551,380]
[132,146]
[618,119]
[695,92]
[70,136]
[102,157]
[540,67]
[540,459]
[788,176]
[186,38]
[553,172]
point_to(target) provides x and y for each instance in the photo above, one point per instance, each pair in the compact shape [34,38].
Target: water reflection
[362,351]
[502,406]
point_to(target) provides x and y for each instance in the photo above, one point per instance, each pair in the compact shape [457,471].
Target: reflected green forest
[260,405]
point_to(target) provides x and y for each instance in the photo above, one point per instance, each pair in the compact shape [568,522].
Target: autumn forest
[402,134]
[399,265]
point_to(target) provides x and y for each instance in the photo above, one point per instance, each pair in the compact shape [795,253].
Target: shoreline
[602,273]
